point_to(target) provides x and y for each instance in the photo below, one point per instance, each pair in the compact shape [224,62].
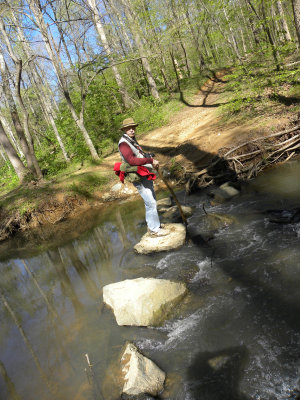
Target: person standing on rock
[132,154]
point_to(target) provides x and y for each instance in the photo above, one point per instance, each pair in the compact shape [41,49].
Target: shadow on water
[216,375]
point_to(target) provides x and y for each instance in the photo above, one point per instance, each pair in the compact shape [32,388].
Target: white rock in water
[174,239]
[225,192]
[140,374]
[143,301]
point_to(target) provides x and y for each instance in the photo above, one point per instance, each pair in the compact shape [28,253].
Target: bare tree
[285,27]
[100,29]
[36,9]
[132,19]
[30,157]
[39,85]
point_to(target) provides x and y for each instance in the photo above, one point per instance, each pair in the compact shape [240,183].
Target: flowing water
[236,336]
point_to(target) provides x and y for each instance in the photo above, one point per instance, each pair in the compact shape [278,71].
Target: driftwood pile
[246,160]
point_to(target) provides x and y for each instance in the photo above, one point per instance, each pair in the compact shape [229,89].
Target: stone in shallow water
[218,361]
[172,214]
[143,301]
[140,374]
[224,192]
[218,221]
[173,240]
[164,204]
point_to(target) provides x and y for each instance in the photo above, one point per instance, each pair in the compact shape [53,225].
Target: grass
[86,184]
[27,197]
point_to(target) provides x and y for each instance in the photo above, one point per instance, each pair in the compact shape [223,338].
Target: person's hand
[155,164]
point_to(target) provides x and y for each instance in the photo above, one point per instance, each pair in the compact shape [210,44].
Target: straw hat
[127,123]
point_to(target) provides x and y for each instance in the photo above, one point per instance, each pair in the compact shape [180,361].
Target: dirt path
[195,133]
[191,134]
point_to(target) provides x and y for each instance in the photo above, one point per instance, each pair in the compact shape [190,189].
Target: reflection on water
[235,337]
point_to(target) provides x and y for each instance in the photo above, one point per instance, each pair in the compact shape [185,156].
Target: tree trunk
[18,65]
[296,11]
[277,29]
[15,116]
[195,39]
[132,19]
[36,79]
[58,67]
[12,154]
[233,38]
[100,29]
[175,66]
[26,121]
[266,28]
[285,26]
[11,135]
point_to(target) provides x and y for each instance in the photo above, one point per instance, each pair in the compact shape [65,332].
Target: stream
[236,335]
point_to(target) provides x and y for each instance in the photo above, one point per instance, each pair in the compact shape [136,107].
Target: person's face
[130,131]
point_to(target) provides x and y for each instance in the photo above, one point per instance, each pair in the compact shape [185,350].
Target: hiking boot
[160,232]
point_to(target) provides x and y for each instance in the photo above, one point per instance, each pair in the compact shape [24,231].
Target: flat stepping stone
[151,244]
[143,301]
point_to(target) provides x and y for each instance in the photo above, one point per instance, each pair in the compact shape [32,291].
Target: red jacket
[141,170]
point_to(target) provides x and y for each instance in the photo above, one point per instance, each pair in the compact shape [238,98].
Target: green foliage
[253,86]
[8,178]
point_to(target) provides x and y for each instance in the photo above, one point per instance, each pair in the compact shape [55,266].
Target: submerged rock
[141,375]
[284,216]
[173,240]
[218,221]
[224,192]
[218,362]
[172,214]
[164,204]
[143,301]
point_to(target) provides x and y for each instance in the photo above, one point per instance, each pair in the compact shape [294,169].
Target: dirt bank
[190,140]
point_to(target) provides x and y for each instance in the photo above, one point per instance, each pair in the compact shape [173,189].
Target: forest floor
[193,136]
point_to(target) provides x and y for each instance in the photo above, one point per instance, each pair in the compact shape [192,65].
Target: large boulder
[143,301]
[173,214]
[140,374]
[173,240]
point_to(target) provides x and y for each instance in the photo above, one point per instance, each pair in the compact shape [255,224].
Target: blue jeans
[146,190]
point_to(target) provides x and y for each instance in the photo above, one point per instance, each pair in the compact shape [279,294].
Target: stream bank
[188,148]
